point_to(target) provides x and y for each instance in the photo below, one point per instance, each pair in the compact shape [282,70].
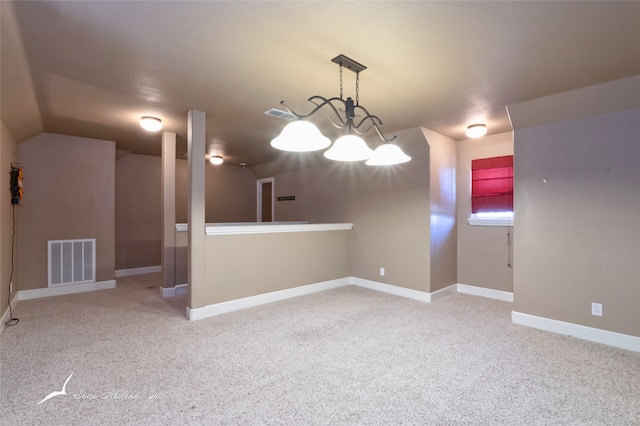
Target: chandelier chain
[341,81]
[358,88]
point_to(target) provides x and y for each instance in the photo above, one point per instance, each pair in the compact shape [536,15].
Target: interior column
[168,213]
[196,205]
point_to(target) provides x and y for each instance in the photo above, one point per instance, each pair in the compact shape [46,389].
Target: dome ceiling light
[476,130]
[216,160]
[151,124]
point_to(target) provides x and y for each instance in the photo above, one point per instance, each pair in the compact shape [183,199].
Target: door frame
[259,183]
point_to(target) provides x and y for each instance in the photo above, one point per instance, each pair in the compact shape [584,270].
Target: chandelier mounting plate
[348,63]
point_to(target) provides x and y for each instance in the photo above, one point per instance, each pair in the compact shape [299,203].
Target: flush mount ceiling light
[302,136]
[151,124]
[476,130]
[216,160]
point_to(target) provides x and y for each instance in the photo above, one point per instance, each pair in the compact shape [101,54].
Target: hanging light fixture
[349,148]
[387,154]
[301,136]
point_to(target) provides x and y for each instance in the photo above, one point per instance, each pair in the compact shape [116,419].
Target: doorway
[266,189]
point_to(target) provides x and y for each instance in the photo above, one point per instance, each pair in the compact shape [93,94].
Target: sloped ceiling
[92,68]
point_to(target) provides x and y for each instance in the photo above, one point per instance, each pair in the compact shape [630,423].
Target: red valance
[492,184]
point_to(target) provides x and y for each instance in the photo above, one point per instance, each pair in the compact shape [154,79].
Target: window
[492,191]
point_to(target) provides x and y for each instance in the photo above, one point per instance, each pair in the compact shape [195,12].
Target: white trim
[261,299]
[490,221]
[178,290]
[247,302]
[138,271]
[293,222]
[392,289]
[444,292]
[597,335]
[6,316]
[485,292]
[182,227]
[65,289]
[277,228]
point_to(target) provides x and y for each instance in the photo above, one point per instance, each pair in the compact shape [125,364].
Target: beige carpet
[347,356]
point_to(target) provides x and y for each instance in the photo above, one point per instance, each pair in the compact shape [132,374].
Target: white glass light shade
[216,160]
[476,130]
[386,155]
[349,148]
[151,124]
[300,136]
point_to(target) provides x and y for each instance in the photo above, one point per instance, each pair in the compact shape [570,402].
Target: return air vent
[280,114]
[72,262]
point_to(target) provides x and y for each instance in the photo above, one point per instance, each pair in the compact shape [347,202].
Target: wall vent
[72,262]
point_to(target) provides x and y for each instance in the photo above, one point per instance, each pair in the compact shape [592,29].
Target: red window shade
[492,184]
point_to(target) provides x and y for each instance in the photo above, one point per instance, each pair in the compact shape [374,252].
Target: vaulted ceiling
[93,68]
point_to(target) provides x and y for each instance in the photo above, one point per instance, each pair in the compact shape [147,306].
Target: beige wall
[389,207]
[578,233]
[483,253]
[138,211]
[230,197]
[390,212]
[248,265]
[69,194]
[8,155]
[230,193]
[442,199]
[322,194]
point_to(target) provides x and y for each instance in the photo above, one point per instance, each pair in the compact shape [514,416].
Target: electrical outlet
[382,272]
[596,309]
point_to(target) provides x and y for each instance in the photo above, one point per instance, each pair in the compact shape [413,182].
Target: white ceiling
[92,68]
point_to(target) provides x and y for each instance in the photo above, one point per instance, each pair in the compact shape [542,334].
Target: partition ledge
[276,228]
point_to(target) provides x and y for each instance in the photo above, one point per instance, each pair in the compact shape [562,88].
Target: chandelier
[304,136]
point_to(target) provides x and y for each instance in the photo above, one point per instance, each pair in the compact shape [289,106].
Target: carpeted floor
[348,356]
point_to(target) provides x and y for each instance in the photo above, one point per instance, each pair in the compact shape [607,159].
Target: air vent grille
[72,262]
[280,114]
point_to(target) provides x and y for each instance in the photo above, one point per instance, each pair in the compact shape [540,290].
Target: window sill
[491,221]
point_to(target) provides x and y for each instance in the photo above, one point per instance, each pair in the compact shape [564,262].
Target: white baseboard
[6,316]
[138,271]
[597,335]
[422,296]
[178,290]
[436,295]
[261,299]
[392,289]
[444,292]
[65,289]
[485,292]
